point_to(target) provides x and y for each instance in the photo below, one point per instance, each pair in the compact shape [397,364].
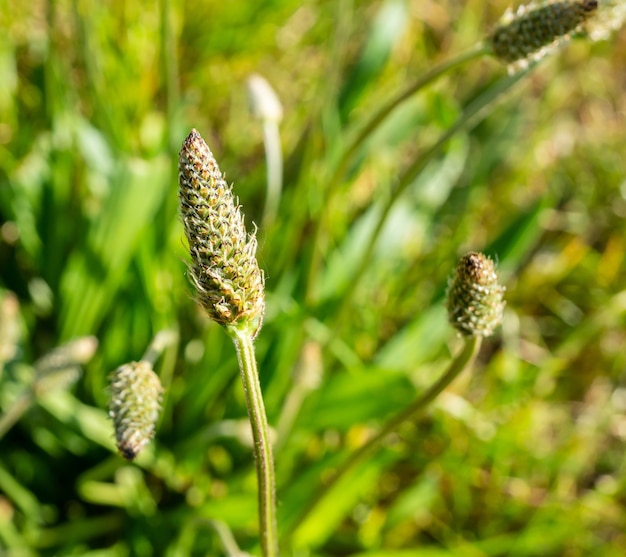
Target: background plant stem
[274,161]
[473,113]
[431,75]
[370,127]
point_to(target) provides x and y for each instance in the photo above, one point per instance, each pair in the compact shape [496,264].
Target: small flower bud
[223,269]
[134,406]
[264,102]
[536,28]
[474,298]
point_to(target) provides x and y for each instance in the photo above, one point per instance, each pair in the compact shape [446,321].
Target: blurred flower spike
[535,29]
[475,300]
[134,406]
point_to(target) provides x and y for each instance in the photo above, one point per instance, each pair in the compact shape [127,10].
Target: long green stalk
[169,70]
[264,459]
[473,113]
[426,79]
[365,132]
[226,537]
[461,362]
[274,162]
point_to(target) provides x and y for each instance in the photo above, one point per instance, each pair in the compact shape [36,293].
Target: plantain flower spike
[474,298]
[134,407]
[535,29]
[224,268]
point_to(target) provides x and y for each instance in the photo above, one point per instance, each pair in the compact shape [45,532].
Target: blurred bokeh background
[523,456]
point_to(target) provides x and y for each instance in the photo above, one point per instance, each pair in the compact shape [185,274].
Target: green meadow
[390,146]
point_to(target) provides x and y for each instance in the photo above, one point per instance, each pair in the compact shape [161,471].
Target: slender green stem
[368,128]
[431,75]
[461,362]
[262,444]
[274,162]
[473,113]
[160,342]
[226,537]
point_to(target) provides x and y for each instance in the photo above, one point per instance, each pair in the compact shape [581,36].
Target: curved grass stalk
[431,75]
[274,162]
[56,371]
[473,113]
[370,126]
[231,549]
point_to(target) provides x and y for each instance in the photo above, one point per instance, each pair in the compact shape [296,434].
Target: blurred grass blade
[476,110]
[382,113]
[337,503]
[515,242]
[386,30]
[93,276]
[92,422]
[20,496]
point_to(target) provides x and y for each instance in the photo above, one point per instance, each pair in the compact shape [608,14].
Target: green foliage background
[521,457]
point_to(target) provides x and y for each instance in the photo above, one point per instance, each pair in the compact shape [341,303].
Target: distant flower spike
[134,406]
[474,298]
[536,28]
[223,269]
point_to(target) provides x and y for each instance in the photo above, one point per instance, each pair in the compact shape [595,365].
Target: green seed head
[134,406]
[474,298]
[223,269]
[537,28]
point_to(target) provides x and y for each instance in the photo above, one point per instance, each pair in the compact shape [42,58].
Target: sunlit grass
[524,456]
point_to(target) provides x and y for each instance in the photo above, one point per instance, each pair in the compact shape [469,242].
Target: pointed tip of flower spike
[475,299]
[535,29]
[193,140]
[134,406]
[223,268]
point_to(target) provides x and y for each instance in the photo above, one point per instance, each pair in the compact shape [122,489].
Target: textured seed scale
[536,28]
[474,298]
[223,268]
